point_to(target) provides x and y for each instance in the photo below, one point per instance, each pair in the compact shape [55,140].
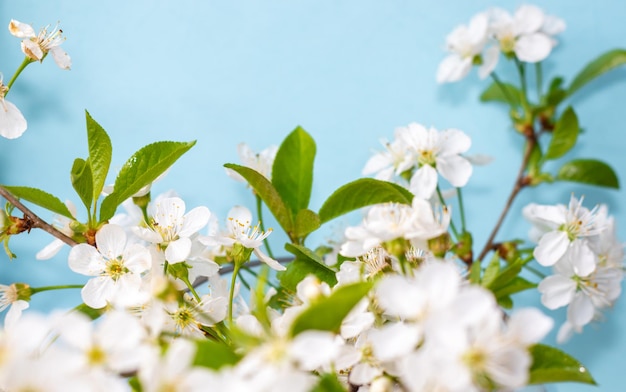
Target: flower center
[507,44]
[96,356]
[115,268]
[426,157]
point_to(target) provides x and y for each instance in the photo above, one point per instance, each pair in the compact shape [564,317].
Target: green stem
[461,209]
[522,76]
[539,77]
[165,265]
[534,271]
[191,288]
[35,290]
[231,295]
[452,227]
[259,212]
[27,60]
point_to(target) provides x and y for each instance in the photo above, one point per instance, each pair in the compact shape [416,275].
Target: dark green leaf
[300,269]
[292,172]
[553,365]
[588,171]
[214,355]
[306,263]
[135,384]
[505,302]
[307,221]
[140,170]
[40,198]
[82,181]
[503,92]
[505,275]
[100,151]
[564,135]
[327,313]
[604,63]
[474,274]
[514,286]
[556,93]
[534,161]
[266,191]
[329,383]
[362,193]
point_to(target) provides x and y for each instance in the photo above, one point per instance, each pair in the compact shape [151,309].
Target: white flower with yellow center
[261,162]
[12,122]
[437,152]
[172,229]
[37,46]
[116,267]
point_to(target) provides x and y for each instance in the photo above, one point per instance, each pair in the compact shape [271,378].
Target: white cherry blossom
[115,265]
[172,230]
[12,122]
[37,46]
[261,162]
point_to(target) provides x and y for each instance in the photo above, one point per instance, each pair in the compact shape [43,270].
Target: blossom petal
[195,220]
[557,291]
[528,19]
[454,168]
[453,68]
[21,30]
[61,58]
[424,182]
[580,311]
[85,259]
[552,246]
[268,260]
[581,257]
[12,122]
[97,291]
[50,250]
[490,61]
[533,48]
[111,241]
[178,250]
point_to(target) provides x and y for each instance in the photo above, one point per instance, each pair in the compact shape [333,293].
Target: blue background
[349,72]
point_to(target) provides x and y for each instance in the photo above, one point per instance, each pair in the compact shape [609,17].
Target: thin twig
[517,187]
[36,221]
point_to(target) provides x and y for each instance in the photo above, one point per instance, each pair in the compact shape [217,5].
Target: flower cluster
[586,256]
[527,35]
[401,301]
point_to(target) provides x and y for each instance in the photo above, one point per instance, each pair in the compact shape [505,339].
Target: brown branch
[34,220]
[520,183]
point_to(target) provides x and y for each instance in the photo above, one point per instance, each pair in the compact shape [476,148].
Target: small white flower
[466,44]
[240,230]
[37,46]
[563,233]
[116,267]
[12,122]
[527,34]
[172,229]
[437,152]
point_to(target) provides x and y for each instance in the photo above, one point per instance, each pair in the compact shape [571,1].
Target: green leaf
[601,65]
[492,271]
[100,151]
[141,169]
[40,198]
[362,193]
[564,135]
[307,221]
[503,92]
[329,383]
[270,196]
[556,94]
[516,285]
[89,312]
[588,171]
[327,313]
[474,273]
[553,365]
[505,302]
[292,172]
[82,181]
[214,355]
[505,275]
[135,384]
[306,263]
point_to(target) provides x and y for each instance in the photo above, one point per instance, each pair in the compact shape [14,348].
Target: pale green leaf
[601,65]
[564,135]
[100,151]
[503,92]
[292,172]
[40,198]
[307,221]
[553,365]
[362,193]
[270,196]
[82,181]
[588,171]
[141,169]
